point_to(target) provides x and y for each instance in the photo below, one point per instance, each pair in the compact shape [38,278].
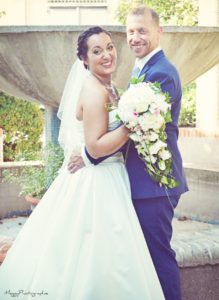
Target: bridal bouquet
[145,109]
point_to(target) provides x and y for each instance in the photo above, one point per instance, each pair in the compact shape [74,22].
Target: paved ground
[10,227]
[195,243]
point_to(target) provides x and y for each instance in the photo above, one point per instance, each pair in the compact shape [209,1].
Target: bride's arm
[98,141]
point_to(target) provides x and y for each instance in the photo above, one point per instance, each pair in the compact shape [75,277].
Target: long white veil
[70,136]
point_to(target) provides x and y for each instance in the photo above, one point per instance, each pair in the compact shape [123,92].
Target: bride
[83,241]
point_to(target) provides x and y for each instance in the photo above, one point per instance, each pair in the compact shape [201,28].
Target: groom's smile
[138,48]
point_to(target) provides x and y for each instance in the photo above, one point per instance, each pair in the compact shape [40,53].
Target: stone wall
[200,148]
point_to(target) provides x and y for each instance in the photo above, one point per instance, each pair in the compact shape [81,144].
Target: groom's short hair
[143,9]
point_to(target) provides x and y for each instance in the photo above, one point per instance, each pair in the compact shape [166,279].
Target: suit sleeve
[167,84]
[87,158]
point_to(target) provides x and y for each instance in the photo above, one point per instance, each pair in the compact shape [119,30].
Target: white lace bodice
[113,122]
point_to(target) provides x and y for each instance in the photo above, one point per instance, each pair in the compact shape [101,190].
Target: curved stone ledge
[35,60]
[197,252]
[195,243]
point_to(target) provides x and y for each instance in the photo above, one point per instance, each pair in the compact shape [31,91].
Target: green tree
[187,116]
[171,12]
[22,122]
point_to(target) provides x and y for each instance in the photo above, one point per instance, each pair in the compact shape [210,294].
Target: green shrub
[35,180]
[187,116]
[22,122]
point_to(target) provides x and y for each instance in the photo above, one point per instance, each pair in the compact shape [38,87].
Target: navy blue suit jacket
[158,69]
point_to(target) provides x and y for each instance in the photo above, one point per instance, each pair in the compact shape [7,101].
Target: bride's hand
[75,163]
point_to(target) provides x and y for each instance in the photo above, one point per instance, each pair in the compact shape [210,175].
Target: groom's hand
[75,163]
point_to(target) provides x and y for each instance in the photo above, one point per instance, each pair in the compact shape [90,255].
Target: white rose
[162,104]
[153,159]
[164,154]
[141,107]
[161,165]
[138,132]
[143,122]
[156,147]
[153,136]
[133,123]
[153,121]
[153,108]
[135,137]
[159,121]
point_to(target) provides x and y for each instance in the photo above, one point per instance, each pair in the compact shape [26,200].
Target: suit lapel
[151,62]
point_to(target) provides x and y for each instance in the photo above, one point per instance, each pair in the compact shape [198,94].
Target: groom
[155,205]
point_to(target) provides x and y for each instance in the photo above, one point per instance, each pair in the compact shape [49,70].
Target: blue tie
[135,71]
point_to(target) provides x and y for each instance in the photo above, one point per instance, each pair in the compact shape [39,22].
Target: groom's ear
[160,29]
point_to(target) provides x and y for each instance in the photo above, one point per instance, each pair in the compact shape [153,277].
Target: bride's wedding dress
[83,241]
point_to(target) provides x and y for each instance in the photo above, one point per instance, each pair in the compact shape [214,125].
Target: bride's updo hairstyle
[82,47]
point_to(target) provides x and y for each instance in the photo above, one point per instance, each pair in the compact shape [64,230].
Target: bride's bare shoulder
[93,97]
[93,90]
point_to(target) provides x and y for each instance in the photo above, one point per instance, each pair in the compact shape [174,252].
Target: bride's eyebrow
[101,48]
[96,47]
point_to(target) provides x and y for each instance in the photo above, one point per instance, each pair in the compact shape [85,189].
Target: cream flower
[156,147]
[164,154]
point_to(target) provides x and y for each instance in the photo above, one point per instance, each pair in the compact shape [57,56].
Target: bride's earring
[85,63]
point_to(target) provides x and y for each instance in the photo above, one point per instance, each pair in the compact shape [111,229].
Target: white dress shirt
[140,62]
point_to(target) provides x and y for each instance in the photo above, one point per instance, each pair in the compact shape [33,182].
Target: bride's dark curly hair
[82,47]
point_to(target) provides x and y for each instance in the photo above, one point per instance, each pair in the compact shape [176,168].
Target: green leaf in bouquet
[163,135]
[110,106]
[150,168]
[168,117]
[172,183]
[167,97]
[117,117]
[140,150]
[164,180]
[157,84]
[134,80]
[175,182]
[141,78]
[161,165]
[157,177]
